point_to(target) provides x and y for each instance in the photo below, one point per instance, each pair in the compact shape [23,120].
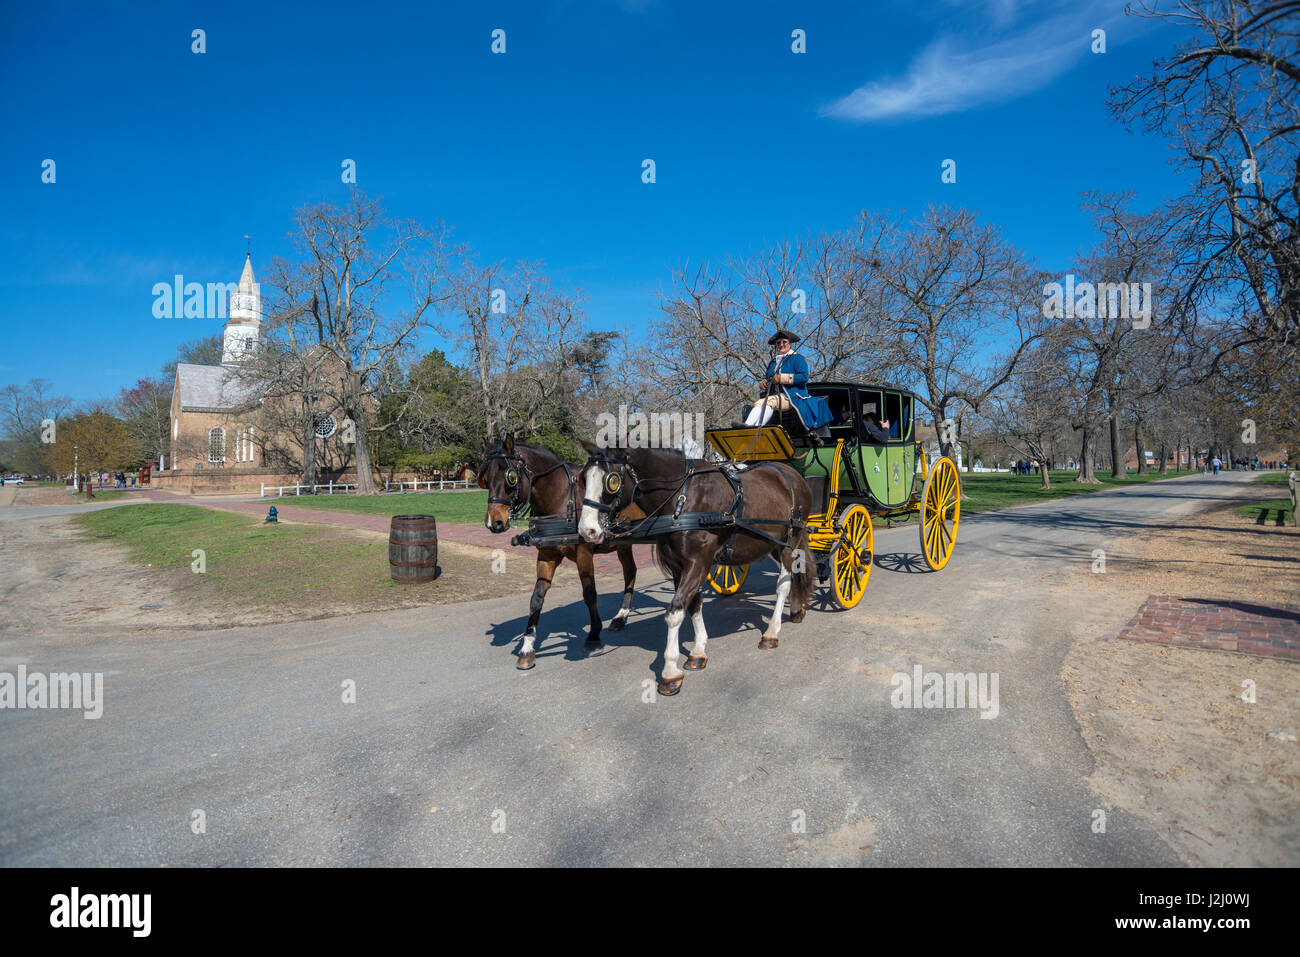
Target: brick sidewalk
[463,534]
[1267,631]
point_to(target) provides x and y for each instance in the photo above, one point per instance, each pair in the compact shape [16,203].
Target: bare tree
[365,284]
[1229,100]
[960,306]
[23,408]
[521,334]
[716,317]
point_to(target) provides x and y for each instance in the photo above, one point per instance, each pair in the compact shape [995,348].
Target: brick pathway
[1271,632]
[464,534]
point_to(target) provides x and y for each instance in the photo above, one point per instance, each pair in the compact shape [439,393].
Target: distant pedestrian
[1216,464]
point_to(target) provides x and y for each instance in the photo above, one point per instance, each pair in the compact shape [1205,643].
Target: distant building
[223,432]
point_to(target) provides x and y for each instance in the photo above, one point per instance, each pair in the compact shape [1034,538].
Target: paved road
[450,756]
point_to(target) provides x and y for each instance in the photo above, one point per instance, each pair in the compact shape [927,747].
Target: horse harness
[517,467]
[655,525]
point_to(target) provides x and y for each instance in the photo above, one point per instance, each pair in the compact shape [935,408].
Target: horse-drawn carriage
[854,477]
[805,499]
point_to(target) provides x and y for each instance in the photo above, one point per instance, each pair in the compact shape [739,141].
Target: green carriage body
[880,475]
[853,477]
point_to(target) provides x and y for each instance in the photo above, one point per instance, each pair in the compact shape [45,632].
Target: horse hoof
[670,686]
[618,623]
[797,616]
[768,641]
[527,661]
[696,662]
[593,646]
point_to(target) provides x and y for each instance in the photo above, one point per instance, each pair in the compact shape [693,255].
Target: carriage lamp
[272,516]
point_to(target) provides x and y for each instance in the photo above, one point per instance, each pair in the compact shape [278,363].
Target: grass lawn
[255,572]
[246,557]
[1274,511]
[463,508]
[987,491]
[107,495]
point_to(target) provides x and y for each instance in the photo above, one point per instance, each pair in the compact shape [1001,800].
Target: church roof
[246,280]
[212,388]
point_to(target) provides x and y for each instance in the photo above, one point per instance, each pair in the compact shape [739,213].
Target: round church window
[326,426]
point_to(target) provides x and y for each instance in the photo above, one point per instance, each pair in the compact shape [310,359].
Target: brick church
[223,436]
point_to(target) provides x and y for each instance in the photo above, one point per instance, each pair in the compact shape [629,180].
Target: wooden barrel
[413,548]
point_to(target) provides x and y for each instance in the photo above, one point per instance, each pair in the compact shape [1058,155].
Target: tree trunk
[309,450]
[1139,447]
[365,478]
[1164,458]
[1087,458]
[1116,453]
[1042,468]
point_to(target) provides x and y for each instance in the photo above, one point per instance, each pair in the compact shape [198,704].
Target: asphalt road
[451,756]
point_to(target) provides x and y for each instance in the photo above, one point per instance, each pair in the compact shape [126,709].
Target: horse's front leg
[585,560]
[547,560]
[688,587]
[699,656]
[628,561]
[769,639]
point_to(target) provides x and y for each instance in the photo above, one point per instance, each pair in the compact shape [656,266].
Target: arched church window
[216,444]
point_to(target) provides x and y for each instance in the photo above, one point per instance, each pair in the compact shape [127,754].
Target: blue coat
[811,409]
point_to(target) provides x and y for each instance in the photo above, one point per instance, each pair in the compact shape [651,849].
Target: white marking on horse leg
[701,636]
[782,592]
[672,651]
[528,638]
[623,612]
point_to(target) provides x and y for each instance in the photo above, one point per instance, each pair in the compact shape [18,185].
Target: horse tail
[670,566]
[804,584]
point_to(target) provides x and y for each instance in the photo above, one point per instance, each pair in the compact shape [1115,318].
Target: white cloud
[945,78]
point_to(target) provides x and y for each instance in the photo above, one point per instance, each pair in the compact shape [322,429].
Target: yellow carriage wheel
[851,562]
[940,513]
[727,579]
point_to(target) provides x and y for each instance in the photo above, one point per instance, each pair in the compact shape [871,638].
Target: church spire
[244,325]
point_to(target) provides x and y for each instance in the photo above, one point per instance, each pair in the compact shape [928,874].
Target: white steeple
[244,327]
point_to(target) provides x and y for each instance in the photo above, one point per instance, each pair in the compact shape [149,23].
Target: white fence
[331,487]
[442,484]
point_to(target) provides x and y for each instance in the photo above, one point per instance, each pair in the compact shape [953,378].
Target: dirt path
[1174,741]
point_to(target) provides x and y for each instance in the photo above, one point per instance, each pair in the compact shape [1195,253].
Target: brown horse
[515,474]
[665,482]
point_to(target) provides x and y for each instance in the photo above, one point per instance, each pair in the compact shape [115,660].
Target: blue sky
[166,158]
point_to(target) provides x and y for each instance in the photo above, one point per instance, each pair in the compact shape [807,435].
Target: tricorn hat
[782,334]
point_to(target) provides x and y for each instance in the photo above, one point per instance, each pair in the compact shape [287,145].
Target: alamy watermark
[75,690]
[195,300]
[650,430]
[934,689]
[1103,300]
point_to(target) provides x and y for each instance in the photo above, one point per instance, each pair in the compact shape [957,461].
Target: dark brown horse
[665,482]
[515,474]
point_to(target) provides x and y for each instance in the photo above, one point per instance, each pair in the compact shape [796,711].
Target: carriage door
[900,455]
[874,464]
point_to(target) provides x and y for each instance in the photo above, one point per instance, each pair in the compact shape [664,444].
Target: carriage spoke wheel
[727,579]
[940,513]
[851,563]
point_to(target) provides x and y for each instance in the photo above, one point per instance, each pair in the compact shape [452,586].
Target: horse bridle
[517,468]
[615,483]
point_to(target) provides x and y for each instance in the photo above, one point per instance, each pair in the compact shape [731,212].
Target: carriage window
[893,413]
[841,404]
[904,430]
